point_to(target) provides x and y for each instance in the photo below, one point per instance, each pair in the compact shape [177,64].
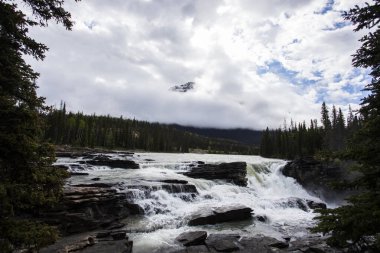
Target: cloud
[255,63]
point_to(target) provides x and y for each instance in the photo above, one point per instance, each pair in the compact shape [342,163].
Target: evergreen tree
[361,217]
[325,117]
[27,182]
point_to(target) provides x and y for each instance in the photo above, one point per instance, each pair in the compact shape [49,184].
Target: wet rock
[296,203]
[192,238]
[234,172]
[220,214]
[113,163]
[315,205]
[74,173]
[119,235]
[223,242]
[96,185]
[173,181]
[135,209]
[261,218]
[303,204]
[76,167]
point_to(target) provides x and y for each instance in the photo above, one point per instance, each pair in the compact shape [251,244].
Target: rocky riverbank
[319,177]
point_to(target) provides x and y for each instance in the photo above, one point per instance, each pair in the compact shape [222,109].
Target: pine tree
[325,119]
[28,182]
[361,217]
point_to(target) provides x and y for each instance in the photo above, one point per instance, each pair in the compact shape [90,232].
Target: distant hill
[245,136]
[78,129]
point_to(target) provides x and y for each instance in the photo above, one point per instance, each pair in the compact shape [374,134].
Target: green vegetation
[301,140]
[361,217]
[105,131]
[28,183]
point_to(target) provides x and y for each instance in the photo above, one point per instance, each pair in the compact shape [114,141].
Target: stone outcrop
[234,172]
[87,207]
[102,160]
[220,214]
[318,178]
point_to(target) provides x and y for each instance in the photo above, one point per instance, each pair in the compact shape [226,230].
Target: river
[269,194]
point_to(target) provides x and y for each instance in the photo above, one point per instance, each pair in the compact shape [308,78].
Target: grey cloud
[122,57]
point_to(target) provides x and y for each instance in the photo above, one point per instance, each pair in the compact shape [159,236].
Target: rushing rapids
[167,199]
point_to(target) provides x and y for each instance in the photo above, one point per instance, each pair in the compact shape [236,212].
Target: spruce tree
[28,182]
[361,217]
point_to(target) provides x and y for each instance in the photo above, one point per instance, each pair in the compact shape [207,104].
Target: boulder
[220,214]
[192,238]
[113,163]
[223,242]
[234,172]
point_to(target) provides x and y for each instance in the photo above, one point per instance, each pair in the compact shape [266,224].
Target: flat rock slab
[234,172]
[220,214]
[113,163]
[192,238]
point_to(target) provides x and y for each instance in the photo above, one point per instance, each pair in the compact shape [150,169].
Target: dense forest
[245,136]
[300,139]
[77,129]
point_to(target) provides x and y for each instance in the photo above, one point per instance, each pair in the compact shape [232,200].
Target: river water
[268,193]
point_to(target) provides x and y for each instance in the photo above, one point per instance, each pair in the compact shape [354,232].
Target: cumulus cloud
[255,63]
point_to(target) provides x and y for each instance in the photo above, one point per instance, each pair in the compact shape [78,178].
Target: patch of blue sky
[328,7]
[337,25]
[337,78]
[277,68]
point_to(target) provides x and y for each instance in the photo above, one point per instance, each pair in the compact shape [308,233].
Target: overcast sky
[254,63]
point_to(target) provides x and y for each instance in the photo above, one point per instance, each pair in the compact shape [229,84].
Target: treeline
[77,129]
[299,140]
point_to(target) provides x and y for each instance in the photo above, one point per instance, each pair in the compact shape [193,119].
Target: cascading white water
[269,194]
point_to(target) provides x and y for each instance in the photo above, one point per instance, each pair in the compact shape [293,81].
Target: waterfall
[281,200]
